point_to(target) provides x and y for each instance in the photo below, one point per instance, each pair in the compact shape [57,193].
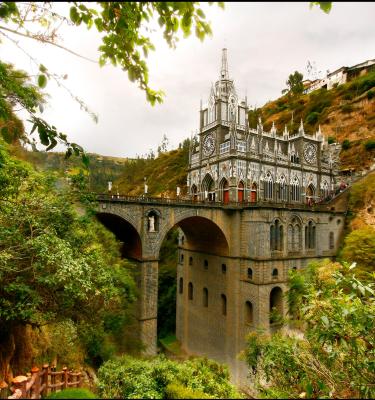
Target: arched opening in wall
[224,188]
[190,291]
[152,221]
[205,297]
[201,235]
[181,286]
[240,192]
[223,304]
[310,193]
[254,193]
[131,244]
[248,313]
[194,193]
[208,188]
[276,305]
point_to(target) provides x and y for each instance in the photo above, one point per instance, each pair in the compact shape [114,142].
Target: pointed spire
[301,130]
[286,132]
[273,129]
[224,73]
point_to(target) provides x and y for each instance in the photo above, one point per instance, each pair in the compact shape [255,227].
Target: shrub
[370,144]
[370,94]
[360,248]
[178,391]
[72,393]
[346,108]
[348,96]
[312,118]
[128,377]
[331,139]
[346,144]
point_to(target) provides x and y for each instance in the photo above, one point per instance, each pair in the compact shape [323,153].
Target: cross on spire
[224,65]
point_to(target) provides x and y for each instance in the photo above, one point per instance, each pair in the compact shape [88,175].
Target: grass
[73,393]
[172,345]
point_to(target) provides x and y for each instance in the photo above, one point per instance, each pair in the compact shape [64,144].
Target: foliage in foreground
[336,356]
[160,378]
[56,264]
[72,393]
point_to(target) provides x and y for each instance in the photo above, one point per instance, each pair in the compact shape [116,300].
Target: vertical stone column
[148,305]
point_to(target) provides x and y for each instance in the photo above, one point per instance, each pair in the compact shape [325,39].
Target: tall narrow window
[190,291]
[181,286]
[181,258]
[249,273]
[205,264]
[224,268]
[276,236]
[275,273]
[310,235]
[331,240]
[248,312]
[224,304]
[205,297]
[190,260]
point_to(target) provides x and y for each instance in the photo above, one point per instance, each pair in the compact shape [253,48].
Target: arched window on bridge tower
[276,236]
[224,304]
[181,286]
[190,291]
[153,221]
[310,237]
[205,297]
[249,313]
[276,304]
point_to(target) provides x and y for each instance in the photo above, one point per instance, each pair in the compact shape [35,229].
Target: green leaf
[74,16]
[325,320]
[42,81]
[42,68]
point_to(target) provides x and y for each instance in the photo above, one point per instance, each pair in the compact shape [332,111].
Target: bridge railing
[207,203]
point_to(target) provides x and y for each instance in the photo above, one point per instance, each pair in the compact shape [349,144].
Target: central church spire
[224,65]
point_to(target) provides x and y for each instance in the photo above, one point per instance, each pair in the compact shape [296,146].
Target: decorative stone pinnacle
[224,73]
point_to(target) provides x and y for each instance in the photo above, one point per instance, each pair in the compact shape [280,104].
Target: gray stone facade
[231,162]
[224,250]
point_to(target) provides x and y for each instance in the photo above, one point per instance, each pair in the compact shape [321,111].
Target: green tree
[55,264]
[294,83]
[333,355]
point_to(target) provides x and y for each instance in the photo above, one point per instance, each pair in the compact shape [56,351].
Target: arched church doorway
[208,187]
[225,191]
[253,193]
[194,193]
[310,193]
[240,192]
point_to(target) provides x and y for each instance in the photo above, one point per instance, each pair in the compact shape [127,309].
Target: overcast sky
[265,42]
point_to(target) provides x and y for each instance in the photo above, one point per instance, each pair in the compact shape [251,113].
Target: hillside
[101,168]
[346,112]
[163,173]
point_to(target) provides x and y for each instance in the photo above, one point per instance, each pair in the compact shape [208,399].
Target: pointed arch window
[282,192]
[268,187]
[276,236]
[294,235]
[325,189]
[310,235]
[249,273]
[295,192]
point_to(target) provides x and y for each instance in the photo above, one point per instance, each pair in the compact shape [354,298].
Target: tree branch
[48,42]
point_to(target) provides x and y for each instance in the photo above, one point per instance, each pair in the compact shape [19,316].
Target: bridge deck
[186,202]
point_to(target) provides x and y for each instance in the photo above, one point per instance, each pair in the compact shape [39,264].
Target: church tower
[222,132]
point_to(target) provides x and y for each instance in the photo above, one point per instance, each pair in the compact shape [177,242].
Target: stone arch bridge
[232,265]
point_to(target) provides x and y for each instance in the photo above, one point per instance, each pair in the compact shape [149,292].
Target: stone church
[259,218]
[229,162]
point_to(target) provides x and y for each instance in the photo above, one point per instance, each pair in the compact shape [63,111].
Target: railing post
[35,388]
[19,383]
[65,369]
[53,378]
[79,376]
[45,380]
[3,390]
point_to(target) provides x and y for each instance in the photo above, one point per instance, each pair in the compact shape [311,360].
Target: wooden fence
[39,383]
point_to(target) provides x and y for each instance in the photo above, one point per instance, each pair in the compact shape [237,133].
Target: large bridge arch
[125,232]
[201,235]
